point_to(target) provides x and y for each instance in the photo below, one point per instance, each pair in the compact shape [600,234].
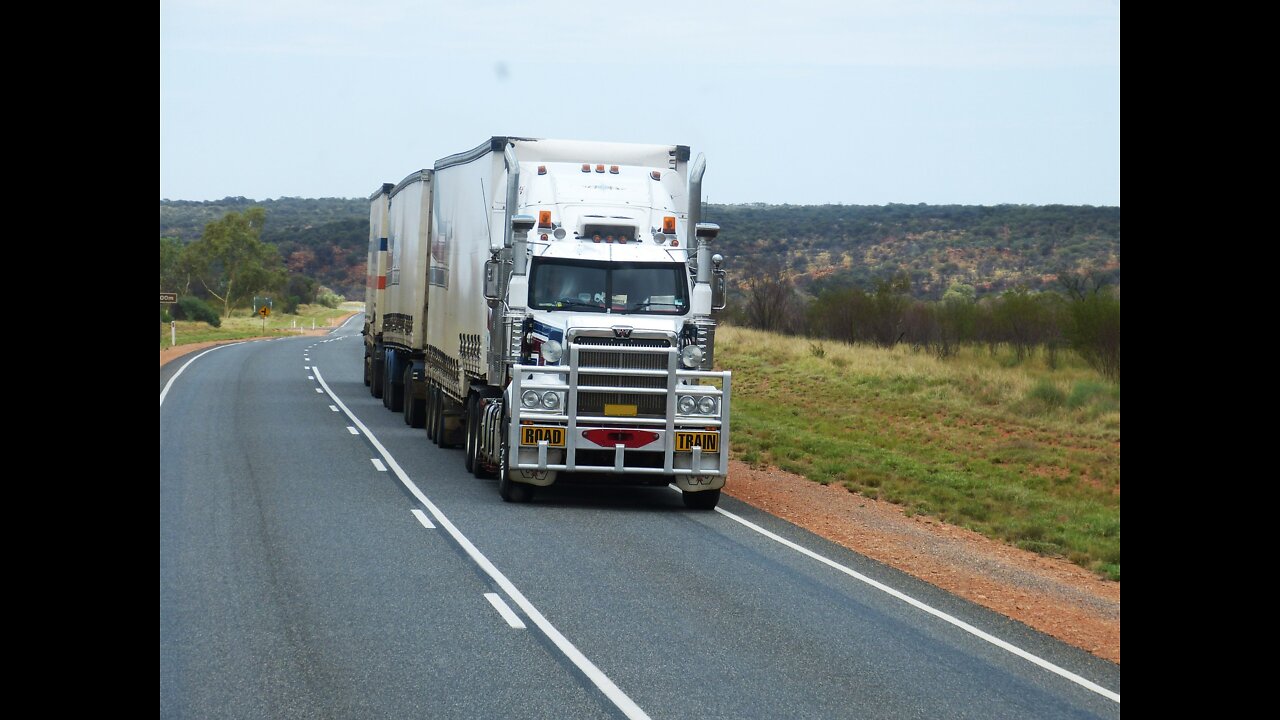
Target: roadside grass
[244,323]
[1021,452]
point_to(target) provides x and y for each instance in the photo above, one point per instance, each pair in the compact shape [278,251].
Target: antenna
[484,203]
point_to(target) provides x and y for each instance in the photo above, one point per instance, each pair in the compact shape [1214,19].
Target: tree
[171,274]
[232,262]
[770,297]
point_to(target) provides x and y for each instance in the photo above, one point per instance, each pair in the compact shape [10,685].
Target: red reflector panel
[626,438]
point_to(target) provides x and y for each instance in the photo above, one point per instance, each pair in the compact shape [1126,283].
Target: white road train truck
[548,308]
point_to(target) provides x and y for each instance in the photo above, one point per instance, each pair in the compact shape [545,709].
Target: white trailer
[568,326]
[375,288]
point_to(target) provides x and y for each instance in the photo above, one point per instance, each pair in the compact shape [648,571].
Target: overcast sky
[797,101]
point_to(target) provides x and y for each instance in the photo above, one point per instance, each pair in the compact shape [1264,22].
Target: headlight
[551,400]
[707,405]
[552,351]
[686,404]
[691,356]
[529,399]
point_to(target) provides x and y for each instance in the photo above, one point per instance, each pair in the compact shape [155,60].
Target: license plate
[532,435]
[708,441]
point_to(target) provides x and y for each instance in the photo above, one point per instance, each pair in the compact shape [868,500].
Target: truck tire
[367,362]
[375,377]
[415,410]
[438,418]
[395,390]
[431,411]
[702,500]
[510,490]
[469,444]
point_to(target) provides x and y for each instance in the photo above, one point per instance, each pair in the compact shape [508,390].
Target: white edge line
[422,518]
[512,619]
[378,464]
[352,430]
[169,384]
[344,324]
[1089,684]
[588,668]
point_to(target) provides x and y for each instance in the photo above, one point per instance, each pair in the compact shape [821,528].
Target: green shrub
[1047,394]
[329,298]
[193,308]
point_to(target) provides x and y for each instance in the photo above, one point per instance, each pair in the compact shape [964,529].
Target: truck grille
[599,357]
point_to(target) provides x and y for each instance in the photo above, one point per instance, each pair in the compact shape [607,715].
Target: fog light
[529,399]
[691,356]
[707,405]
[686,404]
[551,400]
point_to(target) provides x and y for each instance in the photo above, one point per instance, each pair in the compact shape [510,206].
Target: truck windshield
[645,288]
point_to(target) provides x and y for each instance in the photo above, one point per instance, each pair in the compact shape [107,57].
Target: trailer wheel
[510,490]
[702,500]
[415,410]
[437,420]
[431,411]
[367,362]
[395,390]
[469,444]
[375,377]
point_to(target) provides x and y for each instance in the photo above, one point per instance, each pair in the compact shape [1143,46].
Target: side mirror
[492,275]
[719,284]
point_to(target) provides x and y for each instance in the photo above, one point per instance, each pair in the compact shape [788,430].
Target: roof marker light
[655,175]
[542,169]
[613,169]
[599,168]
[586,167]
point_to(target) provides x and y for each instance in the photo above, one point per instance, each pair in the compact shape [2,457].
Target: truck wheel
[469,444]
[438,418]
[367,362]
[375,377]
[510,490]
[702,500]
[394,392]
[431,410]
[415,410]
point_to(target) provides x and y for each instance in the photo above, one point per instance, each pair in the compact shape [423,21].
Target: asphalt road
[300,578]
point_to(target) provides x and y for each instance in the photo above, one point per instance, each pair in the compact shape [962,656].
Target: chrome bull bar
[694,461]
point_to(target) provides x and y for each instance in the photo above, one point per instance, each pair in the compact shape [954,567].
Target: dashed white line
[378,464]
[1088,684]
[352,430]
[319,390]
[311,377]
[512,619]
[333,408]
[422,518]
[615,694]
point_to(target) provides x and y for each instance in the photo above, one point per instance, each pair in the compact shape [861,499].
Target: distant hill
[993,248]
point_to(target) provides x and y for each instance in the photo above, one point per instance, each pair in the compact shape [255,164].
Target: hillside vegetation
[992,248]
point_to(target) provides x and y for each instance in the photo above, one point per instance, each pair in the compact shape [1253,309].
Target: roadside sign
[264,311]
[168,298]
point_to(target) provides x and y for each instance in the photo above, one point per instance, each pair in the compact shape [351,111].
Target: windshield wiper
[637,306]
[578,304]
